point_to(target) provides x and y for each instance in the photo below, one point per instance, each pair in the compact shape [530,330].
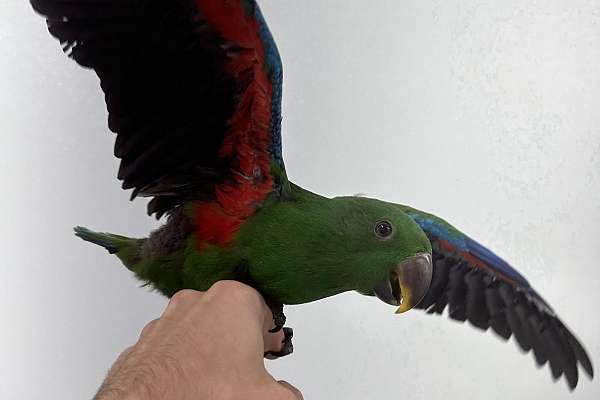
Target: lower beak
[407,284]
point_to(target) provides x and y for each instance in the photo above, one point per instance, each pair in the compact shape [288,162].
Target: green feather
[295,251]
[313,247]
[127,249]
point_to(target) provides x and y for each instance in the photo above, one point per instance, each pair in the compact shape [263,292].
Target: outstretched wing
[193,91]
[480,287]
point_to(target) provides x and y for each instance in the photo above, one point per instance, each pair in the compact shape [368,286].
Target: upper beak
[408,283]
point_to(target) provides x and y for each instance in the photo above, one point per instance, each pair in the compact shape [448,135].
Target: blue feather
[275,73]
[491,259]
[441,230]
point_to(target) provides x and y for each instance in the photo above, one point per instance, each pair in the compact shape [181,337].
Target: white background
[486,113]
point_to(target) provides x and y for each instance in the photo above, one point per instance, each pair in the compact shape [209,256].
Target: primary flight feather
[193,91]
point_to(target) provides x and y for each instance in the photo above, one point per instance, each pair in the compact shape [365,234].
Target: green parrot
[193,90]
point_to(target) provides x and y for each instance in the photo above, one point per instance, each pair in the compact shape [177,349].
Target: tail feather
[101,239]
[127,249]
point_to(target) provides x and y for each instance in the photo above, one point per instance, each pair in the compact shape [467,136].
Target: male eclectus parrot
[193,91]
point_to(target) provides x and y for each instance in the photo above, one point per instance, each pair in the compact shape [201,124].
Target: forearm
[133,377]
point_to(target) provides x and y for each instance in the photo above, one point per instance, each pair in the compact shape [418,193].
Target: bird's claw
[278,316]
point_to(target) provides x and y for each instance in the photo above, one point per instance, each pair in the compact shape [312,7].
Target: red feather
[248,138]
[476,262]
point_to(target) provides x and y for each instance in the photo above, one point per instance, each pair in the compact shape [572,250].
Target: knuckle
[148,328]
[235,289]
[183,295]
[227,286]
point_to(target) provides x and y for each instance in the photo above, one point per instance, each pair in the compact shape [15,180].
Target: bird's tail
[127,249]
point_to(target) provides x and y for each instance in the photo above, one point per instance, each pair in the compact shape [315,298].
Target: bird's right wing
[480,287]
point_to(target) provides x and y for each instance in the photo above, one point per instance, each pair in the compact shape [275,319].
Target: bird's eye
[383,229]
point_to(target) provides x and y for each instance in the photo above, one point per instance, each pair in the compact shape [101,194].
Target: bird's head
[314,247]
[391,255]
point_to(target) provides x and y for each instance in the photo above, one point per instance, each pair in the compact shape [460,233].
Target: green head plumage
[314,247]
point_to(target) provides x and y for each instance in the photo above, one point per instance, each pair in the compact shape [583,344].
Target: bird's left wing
[193,91]
[482,288]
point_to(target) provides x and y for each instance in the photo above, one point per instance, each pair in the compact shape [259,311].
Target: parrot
[193,90]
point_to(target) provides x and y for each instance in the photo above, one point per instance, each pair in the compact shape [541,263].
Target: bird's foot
[286,348]
[279,321]
[278,315]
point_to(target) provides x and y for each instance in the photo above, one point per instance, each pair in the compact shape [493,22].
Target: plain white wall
[484,112]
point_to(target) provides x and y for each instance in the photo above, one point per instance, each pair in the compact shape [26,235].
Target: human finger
[181,301]
[235,294]
[150,327]
[285,348]
[273,341]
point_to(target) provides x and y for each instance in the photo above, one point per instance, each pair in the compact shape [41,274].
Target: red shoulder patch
[247,140]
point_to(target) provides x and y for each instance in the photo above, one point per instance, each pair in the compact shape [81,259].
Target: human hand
[206,345]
